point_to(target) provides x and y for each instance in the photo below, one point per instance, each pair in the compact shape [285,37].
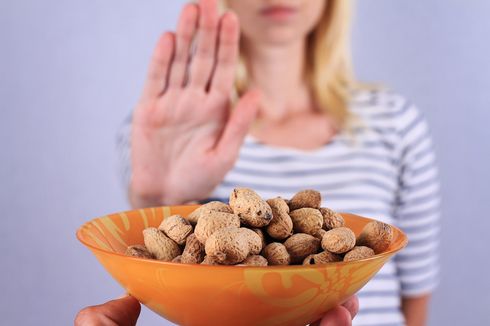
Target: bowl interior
[115,232]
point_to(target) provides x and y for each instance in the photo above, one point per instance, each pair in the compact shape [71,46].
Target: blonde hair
[329,71]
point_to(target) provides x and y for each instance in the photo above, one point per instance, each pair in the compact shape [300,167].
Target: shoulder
[385,109]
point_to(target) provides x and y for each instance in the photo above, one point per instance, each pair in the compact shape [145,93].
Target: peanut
[339,240]
[212,222]
[193,252]
[301,245]
[252,210]
[281,225]
[319,234]
[276,254]
[255,260]
[322,258]
[209,261]
[254,241]
[306,220]
[176,228]
[358,253]
[262,236]
[139,251]
[204,209]
[177,259]
[376,235]
[228,246]
[306,198]
[331,219]
[159,245]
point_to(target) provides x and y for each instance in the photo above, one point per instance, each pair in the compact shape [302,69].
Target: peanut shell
[139,251]
[262,236]
[255,260]
[339,240]
[228,246]
[209,261]
[319,234]
[331,219]
[322,258]
[176,228]
[159,245]
[193,252]
[306,220]
[254,241]
[177,259]
[376,235]
[301,245]
[212,221]
[281,225]
[276,254]
[306,198]
[252,210]
[358,253]
[203,209]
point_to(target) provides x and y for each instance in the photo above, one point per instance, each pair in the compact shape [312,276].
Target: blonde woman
[297,119]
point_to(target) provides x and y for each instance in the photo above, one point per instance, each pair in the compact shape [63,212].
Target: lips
[278,12]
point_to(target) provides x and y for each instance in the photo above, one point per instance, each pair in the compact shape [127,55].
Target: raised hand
[185,136]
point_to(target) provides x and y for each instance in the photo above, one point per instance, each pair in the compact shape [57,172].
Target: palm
[184,139]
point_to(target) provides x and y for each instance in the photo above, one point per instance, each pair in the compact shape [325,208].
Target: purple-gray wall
[71,70]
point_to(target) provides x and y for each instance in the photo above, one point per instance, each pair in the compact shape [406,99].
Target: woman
[300,121]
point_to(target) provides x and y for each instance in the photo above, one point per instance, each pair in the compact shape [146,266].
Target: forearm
[416,310]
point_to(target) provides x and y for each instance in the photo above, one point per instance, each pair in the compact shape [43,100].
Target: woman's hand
[185,137]
[125,312]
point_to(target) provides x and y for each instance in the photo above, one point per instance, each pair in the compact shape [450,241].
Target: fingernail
[125,295]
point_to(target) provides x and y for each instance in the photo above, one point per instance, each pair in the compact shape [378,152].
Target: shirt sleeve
[417,211]
[123,148]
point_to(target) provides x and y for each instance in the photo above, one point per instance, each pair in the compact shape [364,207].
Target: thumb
[121,312]
[338,316]
[238,125]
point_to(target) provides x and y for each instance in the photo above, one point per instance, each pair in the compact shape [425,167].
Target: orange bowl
[226,295]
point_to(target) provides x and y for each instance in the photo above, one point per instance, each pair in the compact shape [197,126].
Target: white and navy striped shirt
[384,169]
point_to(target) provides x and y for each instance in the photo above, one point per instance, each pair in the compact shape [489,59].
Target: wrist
[141,196]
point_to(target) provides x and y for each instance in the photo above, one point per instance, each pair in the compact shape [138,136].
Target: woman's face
[277,22]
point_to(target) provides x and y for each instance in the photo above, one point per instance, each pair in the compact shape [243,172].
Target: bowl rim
[180,265]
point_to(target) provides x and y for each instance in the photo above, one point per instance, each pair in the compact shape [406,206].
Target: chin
[279,36]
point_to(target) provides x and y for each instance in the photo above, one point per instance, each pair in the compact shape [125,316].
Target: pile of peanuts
[252,231]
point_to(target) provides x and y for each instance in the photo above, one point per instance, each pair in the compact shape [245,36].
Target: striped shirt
[383,168]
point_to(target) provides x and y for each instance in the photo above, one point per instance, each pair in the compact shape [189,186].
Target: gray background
[71,70]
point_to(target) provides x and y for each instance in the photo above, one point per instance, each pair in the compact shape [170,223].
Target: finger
[159,66]
[237,127]
[122,312]
[224,73]
[338,316]
[203,61]
[352,305]
[186,28]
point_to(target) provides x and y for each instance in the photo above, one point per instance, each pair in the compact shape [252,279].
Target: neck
[279,72]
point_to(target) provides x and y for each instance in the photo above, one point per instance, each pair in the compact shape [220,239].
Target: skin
[185,134]
[416,310]
[276,64]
